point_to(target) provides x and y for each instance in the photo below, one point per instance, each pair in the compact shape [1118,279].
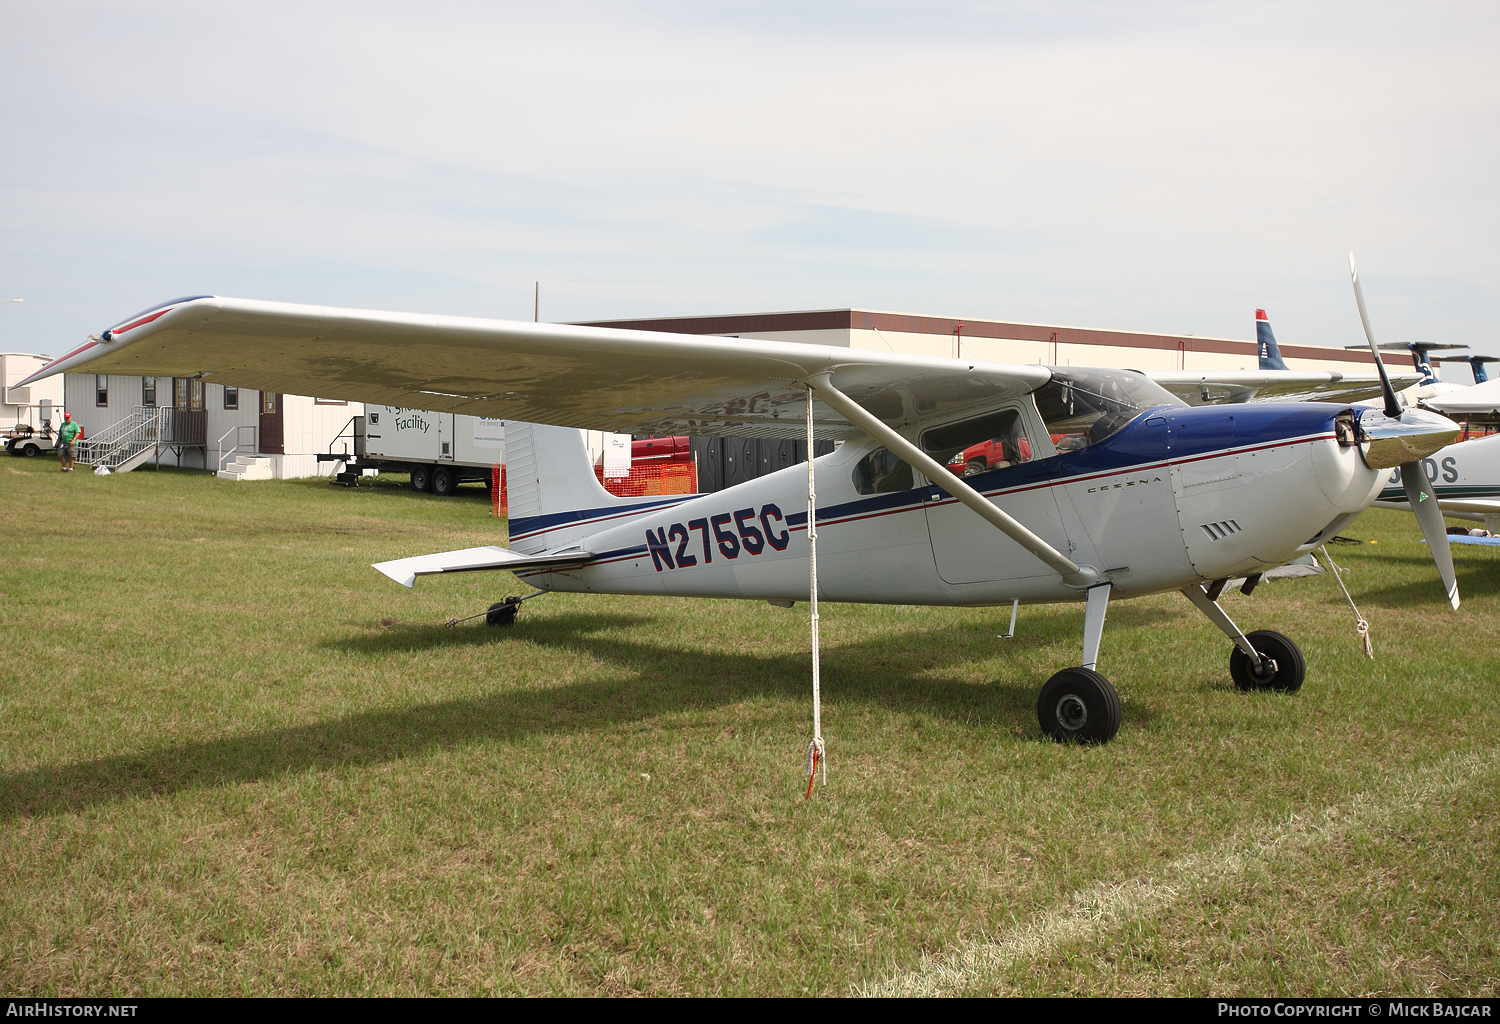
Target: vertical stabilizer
[555,499]
[1477,364]
[1422,362]
[1270,355]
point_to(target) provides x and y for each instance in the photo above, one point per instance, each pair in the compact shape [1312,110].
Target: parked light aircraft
[1147,495]
[1465,479]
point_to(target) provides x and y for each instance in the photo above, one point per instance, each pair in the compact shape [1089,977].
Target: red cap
[67,415]
[1260,314]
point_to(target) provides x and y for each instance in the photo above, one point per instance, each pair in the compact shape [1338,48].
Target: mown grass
[238,760]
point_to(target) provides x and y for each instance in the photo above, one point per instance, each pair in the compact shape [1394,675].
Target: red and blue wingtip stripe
[151,313]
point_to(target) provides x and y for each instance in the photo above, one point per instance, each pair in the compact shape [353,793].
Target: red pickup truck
[990,454]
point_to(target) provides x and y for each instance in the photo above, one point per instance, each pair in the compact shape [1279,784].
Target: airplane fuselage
[1470,469]
[1180,495]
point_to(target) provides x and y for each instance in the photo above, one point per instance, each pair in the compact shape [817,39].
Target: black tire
[975,467]
[1290,668]
[444,481]
[31,451]
[1078,705]
[502,614]
[421,478]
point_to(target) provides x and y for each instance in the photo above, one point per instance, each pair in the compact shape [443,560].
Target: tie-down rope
[817,757]
[1360,625]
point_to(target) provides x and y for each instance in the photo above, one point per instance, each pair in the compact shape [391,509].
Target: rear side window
[880,472]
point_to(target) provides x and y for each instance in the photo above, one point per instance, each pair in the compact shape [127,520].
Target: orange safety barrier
[649,479]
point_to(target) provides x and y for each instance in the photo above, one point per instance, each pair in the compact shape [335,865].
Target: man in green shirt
[65,438]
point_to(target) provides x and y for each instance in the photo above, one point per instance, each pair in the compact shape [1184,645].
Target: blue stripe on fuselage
[551,521]
[1183,433]
[1161,435]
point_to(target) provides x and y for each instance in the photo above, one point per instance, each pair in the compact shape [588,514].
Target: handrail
[340,434]
[120,442]
[223,455]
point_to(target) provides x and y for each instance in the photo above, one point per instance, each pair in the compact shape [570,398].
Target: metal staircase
[129,443]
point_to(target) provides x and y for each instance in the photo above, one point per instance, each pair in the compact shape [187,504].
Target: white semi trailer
[439,449]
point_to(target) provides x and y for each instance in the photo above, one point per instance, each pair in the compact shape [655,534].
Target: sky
[1155,166]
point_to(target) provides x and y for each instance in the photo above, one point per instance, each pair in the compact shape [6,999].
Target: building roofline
[1009,330]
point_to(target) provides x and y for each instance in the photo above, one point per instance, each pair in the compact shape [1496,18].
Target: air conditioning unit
[17,396]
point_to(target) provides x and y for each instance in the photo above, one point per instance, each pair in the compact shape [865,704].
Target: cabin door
[271,414]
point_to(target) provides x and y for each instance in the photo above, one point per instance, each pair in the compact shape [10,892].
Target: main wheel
[502,614]
[1079,705]
[444,480]
[1286,672]
[421,478]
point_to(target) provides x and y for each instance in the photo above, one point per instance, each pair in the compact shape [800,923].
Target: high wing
[1231,386]
[628,381]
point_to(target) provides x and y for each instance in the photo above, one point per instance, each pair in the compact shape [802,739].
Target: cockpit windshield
[1083,407]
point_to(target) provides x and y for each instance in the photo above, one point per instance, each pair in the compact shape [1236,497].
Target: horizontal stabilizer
[406,570]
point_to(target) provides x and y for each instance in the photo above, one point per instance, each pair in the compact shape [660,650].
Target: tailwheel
[1079,705]
[1282,668]
[503,613]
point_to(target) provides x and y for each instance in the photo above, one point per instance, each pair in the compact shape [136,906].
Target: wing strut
[913,456]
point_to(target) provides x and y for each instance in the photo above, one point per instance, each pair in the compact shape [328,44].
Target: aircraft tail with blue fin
[1270,355]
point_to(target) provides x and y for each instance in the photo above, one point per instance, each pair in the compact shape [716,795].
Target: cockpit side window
[1083,407]
[992,441]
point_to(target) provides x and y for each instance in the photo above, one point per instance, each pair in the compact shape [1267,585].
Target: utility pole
[537,314]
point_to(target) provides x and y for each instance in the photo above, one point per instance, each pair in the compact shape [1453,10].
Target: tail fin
[553,495]
[1477,362]
[1270,355]
[1420,360]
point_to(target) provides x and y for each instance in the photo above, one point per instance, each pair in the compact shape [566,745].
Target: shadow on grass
[1473,581]
[876,673]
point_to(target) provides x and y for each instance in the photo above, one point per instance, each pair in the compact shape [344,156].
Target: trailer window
[881,472]
[1083,407]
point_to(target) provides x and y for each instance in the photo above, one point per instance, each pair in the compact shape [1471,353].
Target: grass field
[239,761]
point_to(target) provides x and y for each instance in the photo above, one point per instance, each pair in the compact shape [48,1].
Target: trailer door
[446,442]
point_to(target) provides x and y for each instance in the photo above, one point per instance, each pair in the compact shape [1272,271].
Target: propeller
[1413,476]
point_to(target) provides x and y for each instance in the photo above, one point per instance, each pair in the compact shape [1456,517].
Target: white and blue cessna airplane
[1115,488]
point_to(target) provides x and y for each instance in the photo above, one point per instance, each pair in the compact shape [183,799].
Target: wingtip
[406,578]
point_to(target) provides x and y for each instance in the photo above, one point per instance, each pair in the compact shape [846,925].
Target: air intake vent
[1218,531]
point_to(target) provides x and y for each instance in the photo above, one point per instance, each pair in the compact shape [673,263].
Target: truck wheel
[975,467]
[421,478]
[444,480]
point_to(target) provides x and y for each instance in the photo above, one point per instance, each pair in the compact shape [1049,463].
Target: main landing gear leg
[1078,704]
[1262,660]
